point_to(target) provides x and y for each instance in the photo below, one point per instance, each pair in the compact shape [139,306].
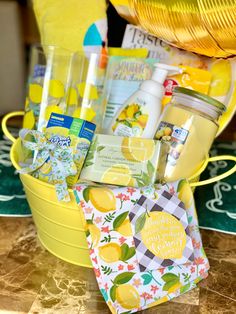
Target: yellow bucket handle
[4,123]
[217,178]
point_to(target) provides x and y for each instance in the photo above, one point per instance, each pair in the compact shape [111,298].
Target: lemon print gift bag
[144,244]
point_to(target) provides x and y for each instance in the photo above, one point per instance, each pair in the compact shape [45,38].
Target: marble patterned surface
[34,281]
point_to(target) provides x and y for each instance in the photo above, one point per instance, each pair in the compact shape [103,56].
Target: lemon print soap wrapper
[65,131]
[140,243]
[123,161]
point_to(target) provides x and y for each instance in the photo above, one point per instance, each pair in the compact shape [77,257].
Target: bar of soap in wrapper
[72,132]
[124,161]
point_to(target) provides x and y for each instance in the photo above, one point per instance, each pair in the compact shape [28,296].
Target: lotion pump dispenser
[140,114]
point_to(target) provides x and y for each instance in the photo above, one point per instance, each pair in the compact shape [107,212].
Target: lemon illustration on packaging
[162,234]
[221,78]
[29,120]
[137,149]
[185,193]
[102,198]
[118,174]
[124,293]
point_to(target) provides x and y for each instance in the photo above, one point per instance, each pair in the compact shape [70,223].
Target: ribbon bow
[61,159]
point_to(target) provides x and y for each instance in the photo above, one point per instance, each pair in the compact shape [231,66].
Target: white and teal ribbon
[61,159]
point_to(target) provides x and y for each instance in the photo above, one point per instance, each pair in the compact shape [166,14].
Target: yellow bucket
[60,226]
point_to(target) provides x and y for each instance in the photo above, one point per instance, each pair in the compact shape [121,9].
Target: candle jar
[189,123]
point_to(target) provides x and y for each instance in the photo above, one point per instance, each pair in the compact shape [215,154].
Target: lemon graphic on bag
[125,294]
[102,198]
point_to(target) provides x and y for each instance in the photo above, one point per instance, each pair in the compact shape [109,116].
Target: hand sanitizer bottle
[140,114]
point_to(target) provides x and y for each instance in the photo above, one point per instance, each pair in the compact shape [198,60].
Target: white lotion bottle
[140,114]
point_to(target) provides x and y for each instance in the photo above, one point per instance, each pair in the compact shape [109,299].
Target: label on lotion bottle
[132,120]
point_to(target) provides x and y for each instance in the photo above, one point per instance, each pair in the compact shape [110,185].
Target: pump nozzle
[162,70]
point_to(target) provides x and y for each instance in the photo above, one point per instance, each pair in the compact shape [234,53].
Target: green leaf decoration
[126,252]
[127,123]
[190,218]
[106,270]
[119,220]
[170,277]
[100,148]
[185,288]
[168,285]
[140,222]
[146,279]
[130,253]
[107,239]
[151,169]
[126,312]
[170,267]
[109,217]
[86,194]
[123,278]
[180,185]
[113,293]
[146,178]
[88,163]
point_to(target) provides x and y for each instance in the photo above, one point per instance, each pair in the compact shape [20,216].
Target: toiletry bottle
[140,113]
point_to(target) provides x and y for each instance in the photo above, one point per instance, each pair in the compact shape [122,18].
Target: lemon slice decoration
[137,149]
[52,109]
[118,175]
[56,89]
[35,93]
[29,120]
[72,97]
[163,235]
[87,91]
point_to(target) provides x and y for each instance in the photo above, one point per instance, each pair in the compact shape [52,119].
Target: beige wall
[12,65]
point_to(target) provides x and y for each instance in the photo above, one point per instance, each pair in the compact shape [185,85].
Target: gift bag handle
[217,178]
[4,123]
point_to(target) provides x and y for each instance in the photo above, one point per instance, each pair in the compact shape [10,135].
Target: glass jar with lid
[190,123]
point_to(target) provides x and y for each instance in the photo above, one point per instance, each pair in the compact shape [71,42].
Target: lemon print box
[71,132]
[125,161]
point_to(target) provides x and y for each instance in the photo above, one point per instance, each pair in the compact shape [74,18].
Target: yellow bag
[72,24]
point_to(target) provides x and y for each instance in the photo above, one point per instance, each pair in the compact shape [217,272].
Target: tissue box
[125,161]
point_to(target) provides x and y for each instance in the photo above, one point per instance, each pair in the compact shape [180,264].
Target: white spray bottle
[140,114]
